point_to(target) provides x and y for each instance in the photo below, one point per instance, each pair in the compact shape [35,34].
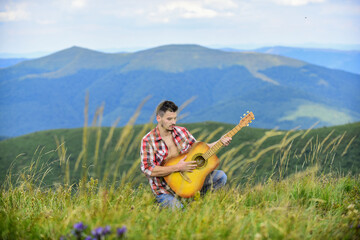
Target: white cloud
[187,10]
[78,3]
[220,4]
[14,13]
[297,2]
[196,9]
[46,22]
[114,23]
[13,16]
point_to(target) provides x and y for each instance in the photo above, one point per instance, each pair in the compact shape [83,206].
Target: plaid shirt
[154,151]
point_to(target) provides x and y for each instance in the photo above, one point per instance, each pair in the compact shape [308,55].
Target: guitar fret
[231,133]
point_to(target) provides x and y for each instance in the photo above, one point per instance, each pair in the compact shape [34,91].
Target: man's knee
[218,179]
[167,200]
[221,177]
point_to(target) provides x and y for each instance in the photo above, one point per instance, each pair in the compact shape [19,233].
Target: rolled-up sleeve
[147,157]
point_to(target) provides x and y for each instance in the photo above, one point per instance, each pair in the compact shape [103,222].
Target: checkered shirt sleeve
[147,156]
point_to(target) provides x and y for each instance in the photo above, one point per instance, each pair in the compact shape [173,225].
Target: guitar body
[186,184]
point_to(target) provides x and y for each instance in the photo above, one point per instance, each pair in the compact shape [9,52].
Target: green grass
[281,185]
[304,206]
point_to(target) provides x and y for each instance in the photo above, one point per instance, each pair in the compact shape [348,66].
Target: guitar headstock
[246,119]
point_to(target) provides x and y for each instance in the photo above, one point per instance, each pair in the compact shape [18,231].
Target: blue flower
[121,231]
[97,232]
[106,230]
[79,227]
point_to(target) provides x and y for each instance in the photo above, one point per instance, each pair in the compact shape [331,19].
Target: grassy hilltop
[259,151]
[282,185]
[304,206]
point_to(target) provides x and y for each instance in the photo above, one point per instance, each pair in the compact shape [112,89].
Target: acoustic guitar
[186,184]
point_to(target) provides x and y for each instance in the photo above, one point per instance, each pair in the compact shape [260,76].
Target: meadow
[281,185]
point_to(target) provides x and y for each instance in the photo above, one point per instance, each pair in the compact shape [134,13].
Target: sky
[28,26]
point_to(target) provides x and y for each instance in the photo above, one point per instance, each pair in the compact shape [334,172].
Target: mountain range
[347,60]
[7,62]
[49,92]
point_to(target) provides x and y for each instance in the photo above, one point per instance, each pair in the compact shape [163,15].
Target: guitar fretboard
[214,149]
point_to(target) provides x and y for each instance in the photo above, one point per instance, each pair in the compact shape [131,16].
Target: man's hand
[186,166]
[225,140]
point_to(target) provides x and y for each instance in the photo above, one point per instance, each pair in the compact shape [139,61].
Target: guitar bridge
[185,177]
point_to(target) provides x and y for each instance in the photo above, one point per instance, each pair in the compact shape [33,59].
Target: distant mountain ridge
[49,92]
[336,59]
[7,62]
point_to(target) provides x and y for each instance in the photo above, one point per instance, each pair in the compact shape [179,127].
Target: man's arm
[152,170]
[181,166]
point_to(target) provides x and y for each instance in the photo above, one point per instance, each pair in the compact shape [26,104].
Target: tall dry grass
[309,203]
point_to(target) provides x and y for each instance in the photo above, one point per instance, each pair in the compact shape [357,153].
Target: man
[167,141]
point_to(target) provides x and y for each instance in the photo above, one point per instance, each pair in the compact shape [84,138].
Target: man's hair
[166,106]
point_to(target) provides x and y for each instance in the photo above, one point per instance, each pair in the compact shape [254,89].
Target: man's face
[167,121]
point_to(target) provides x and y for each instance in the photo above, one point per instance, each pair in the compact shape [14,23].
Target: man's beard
[170,128]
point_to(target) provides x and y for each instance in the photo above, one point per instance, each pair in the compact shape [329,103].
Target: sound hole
[200,160]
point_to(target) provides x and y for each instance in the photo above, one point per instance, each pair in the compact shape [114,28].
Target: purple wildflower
[79,227]
[97,232]
[106,230]
[121,231]
[88,238]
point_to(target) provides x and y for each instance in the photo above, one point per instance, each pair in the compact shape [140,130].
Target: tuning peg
[248,125]
[247,111]
[244,114]
[250,121]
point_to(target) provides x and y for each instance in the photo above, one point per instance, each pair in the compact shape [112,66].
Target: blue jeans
[215,180]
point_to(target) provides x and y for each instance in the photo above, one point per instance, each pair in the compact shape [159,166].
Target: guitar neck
[214,149]
[244,122]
